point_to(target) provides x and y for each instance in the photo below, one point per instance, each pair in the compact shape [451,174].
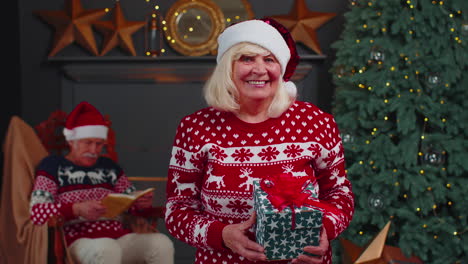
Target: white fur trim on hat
[256,32]
[92,131]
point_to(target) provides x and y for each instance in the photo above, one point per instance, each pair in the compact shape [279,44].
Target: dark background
[145,114]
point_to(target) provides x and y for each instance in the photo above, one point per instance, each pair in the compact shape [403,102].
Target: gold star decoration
[376,252]
[303,23]
[118,31]
[72,25]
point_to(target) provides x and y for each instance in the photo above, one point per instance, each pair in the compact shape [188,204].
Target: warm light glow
[421,171]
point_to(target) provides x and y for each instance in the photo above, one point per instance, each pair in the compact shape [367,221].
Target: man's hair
[221,93]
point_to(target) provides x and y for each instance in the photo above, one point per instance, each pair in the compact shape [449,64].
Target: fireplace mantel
[165,69]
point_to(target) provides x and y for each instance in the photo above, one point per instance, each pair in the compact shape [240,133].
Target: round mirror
[192,27]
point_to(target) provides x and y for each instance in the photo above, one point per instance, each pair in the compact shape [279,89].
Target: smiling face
[256,77]
[85,152]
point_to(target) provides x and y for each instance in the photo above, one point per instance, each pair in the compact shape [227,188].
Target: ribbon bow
[285,190]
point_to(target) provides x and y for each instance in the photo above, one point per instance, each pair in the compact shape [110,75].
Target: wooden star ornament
[376,252]
[118,31]
[74,24]
[303,23]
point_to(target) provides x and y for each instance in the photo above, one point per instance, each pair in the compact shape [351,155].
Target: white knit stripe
[282,157]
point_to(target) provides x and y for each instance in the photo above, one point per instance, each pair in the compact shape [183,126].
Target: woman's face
[256,77]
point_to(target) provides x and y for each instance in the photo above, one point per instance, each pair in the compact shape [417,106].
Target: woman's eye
[246,58]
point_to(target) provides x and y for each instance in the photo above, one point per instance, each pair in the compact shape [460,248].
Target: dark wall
[11,92]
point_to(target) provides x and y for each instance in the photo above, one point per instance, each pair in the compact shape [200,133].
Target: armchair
[51,136]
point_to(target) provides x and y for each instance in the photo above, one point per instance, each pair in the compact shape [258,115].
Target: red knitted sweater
[216,156]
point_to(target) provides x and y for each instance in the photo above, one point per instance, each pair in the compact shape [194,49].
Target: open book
[117,203]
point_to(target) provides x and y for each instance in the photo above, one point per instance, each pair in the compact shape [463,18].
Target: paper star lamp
[74,24]
[376,252]
[118,31]
[303,23]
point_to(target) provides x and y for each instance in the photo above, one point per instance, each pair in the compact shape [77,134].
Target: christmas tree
[401,76]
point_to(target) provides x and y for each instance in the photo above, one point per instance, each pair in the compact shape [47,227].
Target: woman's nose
[259,68]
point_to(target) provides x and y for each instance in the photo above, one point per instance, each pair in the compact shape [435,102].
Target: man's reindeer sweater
[216,156]
[60,183]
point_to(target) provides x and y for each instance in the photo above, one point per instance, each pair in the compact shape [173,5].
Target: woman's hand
[90,210]
[235,238]
[319,251]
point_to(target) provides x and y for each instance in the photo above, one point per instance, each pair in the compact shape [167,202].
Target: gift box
[286,222]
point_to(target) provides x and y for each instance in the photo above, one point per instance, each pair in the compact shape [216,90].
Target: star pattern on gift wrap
[118,31]
[303,23]
[74,24]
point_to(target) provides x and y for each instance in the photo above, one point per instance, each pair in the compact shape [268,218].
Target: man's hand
[319,251]
[90,210]
[234,237]
[145,201]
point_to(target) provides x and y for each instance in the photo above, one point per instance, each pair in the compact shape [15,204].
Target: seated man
[73,186]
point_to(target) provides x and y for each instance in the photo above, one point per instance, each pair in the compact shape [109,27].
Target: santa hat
[85,121]
[269,34]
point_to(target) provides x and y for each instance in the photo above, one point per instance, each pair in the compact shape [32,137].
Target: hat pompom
[291,89]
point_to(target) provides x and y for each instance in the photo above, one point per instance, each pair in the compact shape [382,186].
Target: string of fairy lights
[377,57]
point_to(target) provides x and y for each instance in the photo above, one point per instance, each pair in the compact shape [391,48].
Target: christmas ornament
[377,54]
[433,79]
[118,31]
[72,25]
[347,138]
[376,202]
[303,23]
[376,252]
[433,156]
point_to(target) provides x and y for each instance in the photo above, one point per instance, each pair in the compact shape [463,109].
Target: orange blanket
[20,240]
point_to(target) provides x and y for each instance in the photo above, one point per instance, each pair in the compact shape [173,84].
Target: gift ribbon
[285,190]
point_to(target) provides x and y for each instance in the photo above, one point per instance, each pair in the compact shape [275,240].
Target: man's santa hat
[85,121]
[269,34]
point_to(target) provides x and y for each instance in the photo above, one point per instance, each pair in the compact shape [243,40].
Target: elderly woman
[252,129]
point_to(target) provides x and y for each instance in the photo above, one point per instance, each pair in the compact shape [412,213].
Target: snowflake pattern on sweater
[60,183]
[216,157]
